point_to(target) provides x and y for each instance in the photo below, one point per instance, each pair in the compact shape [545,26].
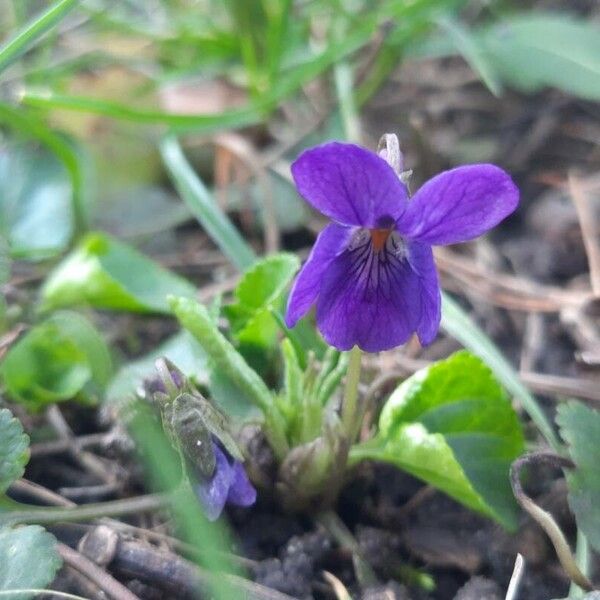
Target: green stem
[87,512]
[350,402]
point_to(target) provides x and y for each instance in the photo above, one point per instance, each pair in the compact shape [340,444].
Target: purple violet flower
[228,484]
[371,272]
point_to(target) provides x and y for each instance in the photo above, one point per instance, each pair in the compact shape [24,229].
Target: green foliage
[61,358]
[227,361]
[460,326]
[203,206]
[14,449]
[580,428]
[105,273]
[35,190]
[452,425]
[33,31]
[195,318]
[260,291]
[530,51]
[28,559]
[473,52]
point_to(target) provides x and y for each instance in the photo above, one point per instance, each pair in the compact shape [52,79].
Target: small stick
[114,589]
[544,518]
[178,575]
[64,444]
[589,230]
[86,459]
[515,580]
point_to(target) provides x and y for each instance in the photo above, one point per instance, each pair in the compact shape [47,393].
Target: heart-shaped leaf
[105,273]
[56,360]
[453,426]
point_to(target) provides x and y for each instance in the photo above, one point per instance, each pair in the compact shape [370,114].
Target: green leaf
[27,124]
[33,31]
[453,426]
[35,190]
[460,326]
[534,50]
[14,449]
[57,360]
[580,428]
[229,363]
[259,291]
[28,559]
[195,318]
[105,273]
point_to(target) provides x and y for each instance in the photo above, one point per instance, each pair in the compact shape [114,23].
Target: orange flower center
[379,237]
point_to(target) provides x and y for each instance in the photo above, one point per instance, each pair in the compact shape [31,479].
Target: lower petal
[213,492]
[241,492]
[330,242]
[377,301]
[423,265]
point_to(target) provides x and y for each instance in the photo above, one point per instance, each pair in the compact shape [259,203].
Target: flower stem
[350,411]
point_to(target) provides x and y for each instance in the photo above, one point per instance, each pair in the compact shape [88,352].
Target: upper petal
[350,184]
[330,242]
[459,205]
[377,300]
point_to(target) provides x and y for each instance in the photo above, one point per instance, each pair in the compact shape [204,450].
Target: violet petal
[331,241]
[430,310]
[459,205]
[241,491]
[376,300]
[213,492]
[350,184]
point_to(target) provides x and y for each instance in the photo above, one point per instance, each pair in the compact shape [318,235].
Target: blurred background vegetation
[137,119]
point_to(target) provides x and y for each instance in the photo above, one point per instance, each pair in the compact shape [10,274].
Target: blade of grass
[461,327]
[115,110]
[285,85]
[33,127]
[203,206]
[472,52]
[33,31]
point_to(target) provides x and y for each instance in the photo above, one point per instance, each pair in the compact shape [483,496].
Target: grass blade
[29,34]
[204,208]
[473,52]
[200,123]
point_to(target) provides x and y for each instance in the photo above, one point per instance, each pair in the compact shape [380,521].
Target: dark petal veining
[377,300]
[350,184]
